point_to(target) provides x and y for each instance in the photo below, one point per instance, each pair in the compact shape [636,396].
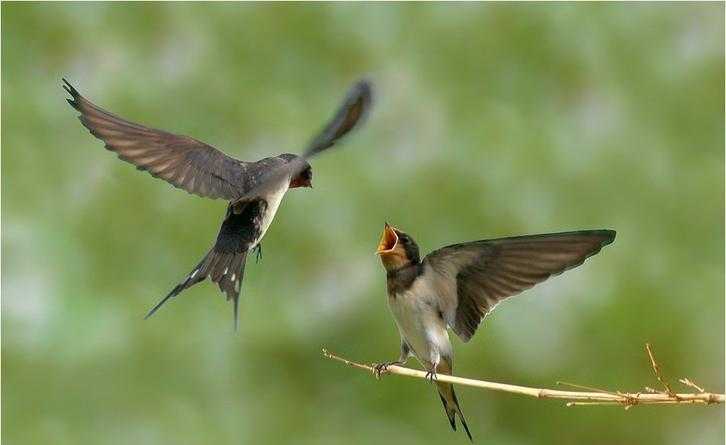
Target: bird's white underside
[416,312]
[273,203]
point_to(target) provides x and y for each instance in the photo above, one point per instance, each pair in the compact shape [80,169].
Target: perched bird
[457,286]
[254,189]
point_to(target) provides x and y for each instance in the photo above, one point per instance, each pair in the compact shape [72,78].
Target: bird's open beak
[388,242]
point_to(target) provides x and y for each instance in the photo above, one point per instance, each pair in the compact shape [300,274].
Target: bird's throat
[401,279]
[394,261]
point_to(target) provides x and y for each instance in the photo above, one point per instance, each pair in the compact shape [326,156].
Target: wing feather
[182,161]
[475,276]
[201,169]
[350,114]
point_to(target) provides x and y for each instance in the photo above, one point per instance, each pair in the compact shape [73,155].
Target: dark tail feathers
[224,268]
[451,406]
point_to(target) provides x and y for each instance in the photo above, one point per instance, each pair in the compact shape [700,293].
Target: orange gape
[392,253]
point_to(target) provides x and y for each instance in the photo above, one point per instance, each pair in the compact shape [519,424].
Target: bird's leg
[258,250]
[380,369]
[431,375]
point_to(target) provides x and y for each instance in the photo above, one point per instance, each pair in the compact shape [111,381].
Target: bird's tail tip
[452,410]
[466,427]
[174,292]
[236,314]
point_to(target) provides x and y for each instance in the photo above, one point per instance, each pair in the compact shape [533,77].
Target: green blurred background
[490,120]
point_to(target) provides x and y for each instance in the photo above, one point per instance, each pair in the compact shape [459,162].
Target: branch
[593,396]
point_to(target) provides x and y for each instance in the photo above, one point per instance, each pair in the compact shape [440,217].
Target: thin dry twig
[594,396]
[657,372]
[687,382]
[629,399]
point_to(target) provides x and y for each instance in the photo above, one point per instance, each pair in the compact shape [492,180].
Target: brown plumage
[489,271]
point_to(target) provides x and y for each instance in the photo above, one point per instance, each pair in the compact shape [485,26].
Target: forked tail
[451,406]
[224,268]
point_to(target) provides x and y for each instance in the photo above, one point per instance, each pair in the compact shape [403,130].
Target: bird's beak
[388,242]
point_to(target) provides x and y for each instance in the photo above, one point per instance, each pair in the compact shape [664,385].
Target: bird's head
[302,179]
[397,249]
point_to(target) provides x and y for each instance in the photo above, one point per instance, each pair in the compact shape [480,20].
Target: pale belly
[420,326]
[273,203]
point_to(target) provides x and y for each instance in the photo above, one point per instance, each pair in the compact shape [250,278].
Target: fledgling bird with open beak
[457,286]
[254,190]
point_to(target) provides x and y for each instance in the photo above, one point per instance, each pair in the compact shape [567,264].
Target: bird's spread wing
[182,161]
[352,112]
[473,277]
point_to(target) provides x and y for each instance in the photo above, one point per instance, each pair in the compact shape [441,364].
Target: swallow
[457,286]
[254,190]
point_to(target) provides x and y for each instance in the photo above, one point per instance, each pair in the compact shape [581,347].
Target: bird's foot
[380,369]
[431,376]
[258,251]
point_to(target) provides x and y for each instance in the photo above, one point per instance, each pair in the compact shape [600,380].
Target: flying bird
[457,286]
[254,190]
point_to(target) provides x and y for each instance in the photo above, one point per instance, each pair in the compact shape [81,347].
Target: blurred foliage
[490,120]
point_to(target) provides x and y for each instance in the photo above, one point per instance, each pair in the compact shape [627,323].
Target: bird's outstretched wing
[473,277]
[351,113]
[182,161]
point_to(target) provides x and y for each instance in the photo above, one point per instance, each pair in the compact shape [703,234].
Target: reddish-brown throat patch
[300,181]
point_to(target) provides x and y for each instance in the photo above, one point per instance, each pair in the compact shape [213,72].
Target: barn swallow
[254,190]
[457,286]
